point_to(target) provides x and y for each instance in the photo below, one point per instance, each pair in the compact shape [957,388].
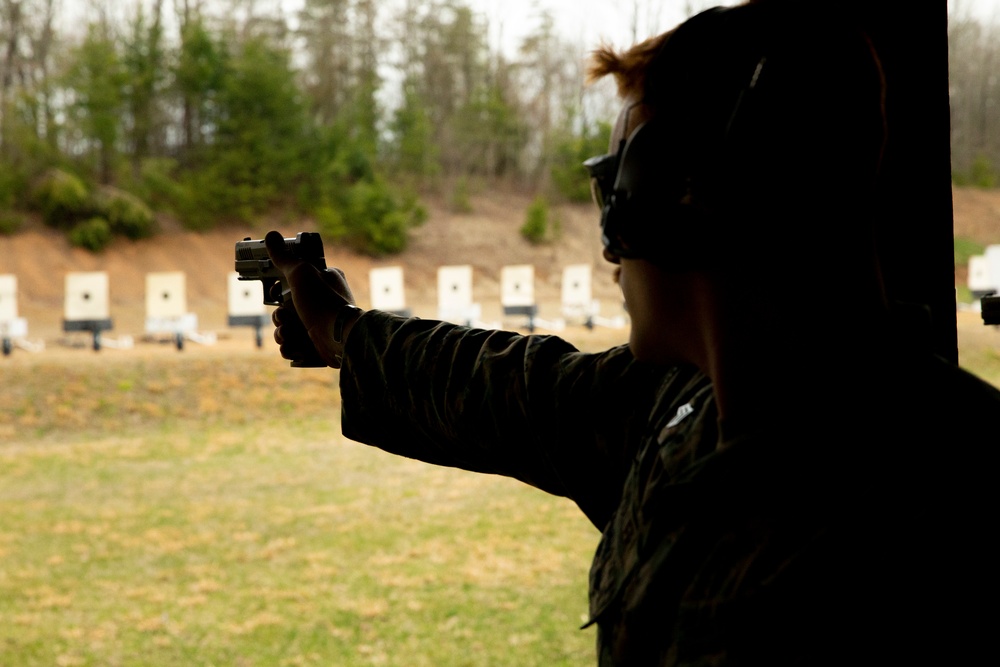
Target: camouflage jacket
[737,548]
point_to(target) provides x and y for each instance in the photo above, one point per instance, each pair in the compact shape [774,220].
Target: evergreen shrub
[62,198]
[370,217]
[126,214]
[981,174]
[375,223]
[93,234]
[536,224]
[10,223]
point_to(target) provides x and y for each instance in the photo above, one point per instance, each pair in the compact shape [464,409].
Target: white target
[576,286]
[246,297]
[992,256]
[166,295]
[387,289]
[87,296]
[979,275]
[454,287]
[8,298]
[517,285]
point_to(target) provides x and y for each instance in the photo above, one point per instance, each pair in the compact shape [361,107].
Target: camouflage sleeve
[528,407]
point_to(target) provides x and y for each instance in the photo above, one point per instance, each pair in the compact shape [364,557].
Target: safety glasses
[603,170]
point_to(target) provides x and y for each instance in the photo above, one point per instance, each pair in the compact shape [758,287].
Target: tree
[444,62]
[327,42]
[27,123]
[198,77]
[974,59]
[365,112]
[549,76]
[569,151]
[95,80]
[412,150]
[256,156]
[489,133]
[145,72]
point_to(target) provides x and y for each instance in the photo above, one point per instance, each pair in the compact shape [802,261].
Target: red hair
[628,66]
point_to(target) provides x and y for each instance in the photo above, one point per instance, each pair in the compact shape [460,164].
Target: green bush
[8,188]
[966,248]
[418,213]
[981,174]
[409,201]
[157,184]
[569,176]
[536,224]
[94,234]
[62,198]
[389,236]
[963,294]
[10,223]
[371,217]
[460,200]
[202,199]
[331,222]
[126,214]
[375,225]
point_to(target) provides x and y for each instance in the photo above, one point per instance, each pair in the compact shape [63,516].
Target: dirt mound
[487,238]
[977,214]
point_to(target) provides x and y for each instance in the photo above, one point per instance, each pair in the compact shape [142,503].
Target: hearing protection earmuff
[655,191]
[760,114]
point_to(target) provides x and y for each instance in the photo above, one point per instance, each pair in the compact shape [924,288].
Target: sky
[589,21]
[580,21]
[586,22]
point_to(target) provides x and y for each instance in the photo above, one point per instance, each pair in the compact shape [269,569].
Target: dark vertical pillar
[917,249]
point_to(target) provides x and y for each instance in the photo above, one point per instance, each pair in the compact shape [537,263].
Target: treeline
[346,111]
[974,62]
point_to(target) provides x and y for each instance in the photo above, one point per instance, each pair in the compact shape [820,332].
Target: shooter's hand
[319,298]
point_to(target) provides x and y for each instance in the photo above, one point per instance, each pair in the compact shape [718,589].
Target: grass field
[201,508]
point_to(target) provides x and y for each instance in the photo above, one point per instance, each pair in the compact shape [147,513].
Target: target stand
[14,333]
[87,309]
[517,297]
[246,306]
[578,304]
[13,329]
[984,276]
[166,310]
[455,302]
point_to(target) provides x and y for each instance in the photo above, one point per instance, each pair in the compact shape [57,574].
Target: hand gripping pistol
[253,263]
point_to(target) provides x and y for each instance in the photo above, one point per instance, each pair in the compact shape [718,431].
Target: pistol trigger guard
[269,298]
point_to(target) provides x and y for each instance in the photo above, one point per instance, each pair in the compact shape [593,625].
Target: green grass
[243,532]
[966,248]
[203,509]
[979,348]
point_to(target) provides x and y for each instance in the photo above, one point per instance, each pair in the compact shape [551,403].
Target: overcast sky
[582,21]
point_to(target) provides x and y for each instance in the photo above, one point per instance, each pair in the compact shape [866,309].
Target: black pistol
[253,263]
[991,309]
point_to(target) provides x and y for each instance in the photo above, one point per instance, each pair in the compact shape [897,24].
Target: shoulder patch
[682,413]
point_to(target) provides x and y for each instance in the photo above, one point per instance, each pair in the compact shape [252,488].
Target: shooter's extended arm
[253,263]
